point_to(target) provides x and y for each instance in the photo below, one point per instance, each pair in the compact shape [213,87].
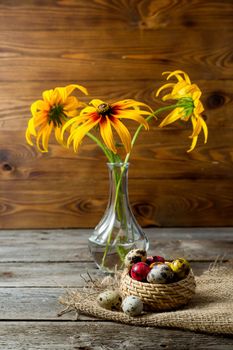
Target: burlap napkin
[210,310]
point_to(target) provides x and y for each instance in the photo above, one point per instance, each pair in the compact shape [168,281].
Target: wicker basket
[159,296]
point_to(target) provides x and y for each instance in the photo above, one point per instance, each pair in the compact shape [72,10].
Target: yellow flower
[188,105]
[51,113]
[106,116]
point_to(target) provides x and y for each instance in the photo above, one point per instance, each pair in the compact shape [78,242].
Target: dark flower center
[104,109]
[56,115]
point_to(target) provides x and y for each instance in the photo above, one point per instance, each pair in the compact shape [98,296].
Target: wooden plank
[147,15]
[101,336]
[56,55]
[41,275]
[155,203]
[130,62]
[71,245]
[59,274]
[139,45]
[157,155]
[78,44]
[31,303]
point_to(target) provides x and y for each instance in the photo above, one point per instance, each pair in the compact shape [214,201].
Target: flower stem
[118,181]
[101,145]
[148,119]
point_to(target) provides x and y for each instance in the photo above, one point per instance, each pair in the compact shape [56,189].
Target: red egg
[149,260]
[158,258]
[139,271]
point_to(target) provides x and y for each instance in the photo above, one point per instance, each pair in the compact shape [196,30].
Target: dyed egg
[160,273]
[140,271]
[180,267]
[149,260]
[134,256]
[132,305]
[158,258]
[110,300]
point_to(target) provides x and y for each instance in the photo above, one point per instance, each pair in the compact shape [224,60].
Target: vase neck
[118,183]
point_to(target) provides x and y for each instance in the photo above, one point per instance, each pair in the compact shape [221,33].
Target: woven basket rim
[125,275]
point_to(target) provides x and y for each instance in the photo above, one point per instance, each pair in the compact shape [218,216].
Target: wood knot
[215,100]
[6,167]
[188,22]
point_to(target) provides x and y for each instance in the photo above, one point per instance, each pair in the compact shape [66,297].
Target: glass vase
[118,231]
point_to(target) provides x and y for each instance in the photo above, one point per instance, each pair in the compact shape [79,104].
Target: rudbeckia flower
[188,104]
[51,113]
[106,116]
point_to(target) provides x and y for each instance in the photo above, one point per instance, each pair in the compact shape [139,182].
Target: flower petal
[88,110]
[194,141]
[78,134]
[193,145]
[71,103]
[177,113]
[51,97]
[205,129]
[196,126]
[70,89]
[164,87]
[123,104]
[134,115]
[177,73]
[106,133]
[38,140]
[58,133]
[123,132]
[180,89]
[45,136]
[30,131]
[61,94]
[76,120]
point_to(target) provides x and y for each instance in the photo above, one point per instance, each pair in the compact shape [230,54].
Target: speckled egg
[180,267]
[110,300]
[155,263]
[135,256]
[139,271]
[132,305]
[160,273]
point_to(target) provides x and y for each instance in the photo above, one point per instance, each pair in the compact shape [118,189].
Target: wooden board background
[117,49]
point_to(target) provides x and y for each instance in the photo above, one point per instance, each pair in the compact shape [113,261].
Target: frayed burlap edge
[209,311]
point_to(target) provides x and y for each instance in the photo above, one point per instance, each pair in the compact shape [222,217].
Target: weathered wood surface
[71,245]
[62,274]
[117,49]
[39,268]
[155,202]
[137,54]
[72,14]
[102,336]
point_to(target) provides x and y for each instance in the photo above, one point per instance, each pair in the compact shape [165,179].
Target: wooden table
[36,267]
